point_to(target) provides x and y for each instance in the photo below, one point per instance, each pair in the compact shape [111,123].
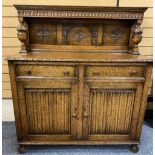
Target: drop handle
[66,73]
[96,73]
[134,72]
[28,71]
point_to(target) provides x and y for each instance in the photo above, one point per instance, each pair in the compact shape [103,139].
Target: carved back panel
[79,33]
[43,33]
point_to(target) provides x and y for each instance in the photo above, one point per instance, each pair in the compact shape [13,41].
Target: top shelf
[80,12]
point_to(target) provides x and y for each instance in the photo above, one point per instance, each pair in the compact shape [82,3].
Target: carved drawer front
[115,71]
[46,71]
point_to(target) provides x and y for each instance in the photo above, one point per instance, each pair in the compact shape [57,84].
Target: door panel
[111,111]
[47,111]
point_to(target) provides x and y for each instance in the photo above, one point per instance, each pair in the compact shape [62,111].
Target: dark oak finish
[78,78]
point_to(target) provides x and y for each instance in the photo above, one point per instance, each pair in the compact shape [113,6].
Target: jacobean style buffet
[79,78]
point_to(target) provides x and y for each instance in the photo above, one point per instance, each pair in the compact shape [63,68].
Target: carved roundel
[79,36]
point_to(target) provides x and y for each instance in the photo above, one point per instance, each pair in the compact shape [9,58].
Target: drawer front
[115,71]
[46,71]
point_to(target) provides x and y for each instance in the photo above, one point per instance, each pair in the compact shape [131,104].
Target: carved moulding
[80,12]
[71,14]
[23,34]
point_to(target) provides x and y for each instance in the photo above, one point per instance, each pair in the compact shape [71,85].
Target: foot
[134,148]
[22,149]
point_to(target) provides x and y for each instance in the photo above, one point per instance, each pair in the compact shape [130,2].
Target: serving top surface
[78,57]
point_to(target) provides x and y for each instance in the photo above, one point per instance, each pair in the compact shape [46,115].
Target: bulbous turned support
[136,37]
[22,34]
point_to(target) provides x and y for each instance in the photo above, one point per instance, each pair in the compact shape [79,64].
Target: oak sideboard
[79,78]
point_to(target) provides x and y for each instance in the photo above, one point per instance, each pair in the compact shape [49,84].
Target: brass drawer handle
[66,73]
[28,71]
[96,73]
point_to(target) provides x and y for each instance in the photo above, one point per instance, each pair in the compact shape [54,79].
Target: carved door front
[47,109]
[111,110]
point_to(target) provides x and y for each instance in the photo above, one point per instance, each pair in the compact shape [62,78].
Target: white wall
[7,110]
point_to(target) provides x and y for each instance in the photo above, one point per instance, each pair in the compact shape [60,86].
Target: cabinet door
[47,109]
[111,110]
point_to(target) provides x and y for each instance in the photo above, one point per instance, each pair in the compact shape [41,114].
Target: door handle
[74,115]
[66,73]
[85,115]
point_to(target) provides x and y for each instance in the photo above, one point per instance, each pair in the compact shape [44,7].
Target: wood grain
[103,105]
[51,102]
[113,71]
[95,125]
[47,71]
[12,33]
[147,42]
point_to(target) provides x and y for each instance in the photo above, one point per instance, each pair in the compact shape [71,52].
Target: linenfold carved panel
[111,111]
[48,111]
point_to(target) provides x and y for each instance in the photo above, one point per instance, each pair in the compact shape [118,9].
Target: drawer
[46,71]
[115,71]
